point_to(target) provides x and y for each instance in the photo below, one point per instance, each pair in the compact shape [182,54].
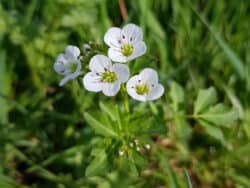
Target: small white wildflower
[145,86]
[68,64]
[105,76]
[138,149]
[121,153]
[131,144]
[136,141]
[147,146]
[126,43]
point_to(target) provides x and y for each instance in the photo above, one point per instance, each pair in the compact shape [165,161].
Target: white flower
[145,86]
[105,76]
[125,44]
[147,146]
[68,64]
[138,149]
[121,153]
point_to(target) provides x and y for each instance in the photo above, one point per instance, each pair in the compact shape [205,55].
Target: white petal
[99,63]
[122,72]
[60,68]
[61,58]
[149,76]
[113,37]
[65,79]
[91,82]
[71,76]
[156,92]
[111,89]
[72,53]
[140,48]
[130,86]
[133,81]
[116,55]
[131,33]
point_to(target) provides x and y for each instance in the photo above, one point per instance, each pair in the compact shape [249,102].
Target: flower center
[127,49]
[142,89]
[109,76]
[72,67]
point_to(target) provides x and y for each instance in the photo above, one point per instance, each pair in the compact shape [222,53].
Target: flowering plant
[124,132]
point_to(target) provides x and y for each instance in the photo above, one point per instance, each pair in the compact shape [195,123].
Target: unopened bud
[86,47]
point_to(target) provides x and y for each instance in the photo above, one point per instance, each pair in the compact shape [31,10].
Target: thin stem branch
[123,10]
[125,100]
[126,107]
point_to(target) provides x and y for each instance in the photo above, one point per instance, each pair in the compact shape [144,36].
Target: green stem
[125,100]
[126,108]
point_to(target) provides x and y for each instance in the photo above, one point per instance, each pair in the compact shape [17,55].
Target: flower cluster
[108,73]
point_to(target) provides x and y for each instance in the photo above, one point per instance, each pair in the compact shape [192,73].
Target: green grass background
[45,140]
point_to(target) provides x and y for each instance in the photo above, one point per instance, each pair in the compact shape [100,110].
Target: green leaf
[7,182]
[183,128]
[220,115]
[99,127]
[3,88]
[213,131]
[206,97]
[132,168]
[172,178]
[210,116]
[110,110]
[176,94]
[242,151]
[171,175]
[98,165]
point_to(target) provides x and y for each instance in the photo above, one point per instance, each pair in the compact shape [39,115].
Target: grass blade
[235,61]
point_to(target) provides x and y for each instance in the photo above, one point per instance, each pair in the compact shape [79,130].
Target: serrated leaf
[220,115]
[99,127]
[98,165]
[213,131]
[206,97]
[176,94]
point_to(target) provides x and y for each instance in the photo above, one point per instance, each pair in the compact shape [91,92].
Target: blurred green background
[45,140]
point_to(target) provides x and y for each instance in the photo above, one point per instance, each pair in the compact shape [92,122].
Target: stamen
[109,76]
[127,49]
[142,89]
